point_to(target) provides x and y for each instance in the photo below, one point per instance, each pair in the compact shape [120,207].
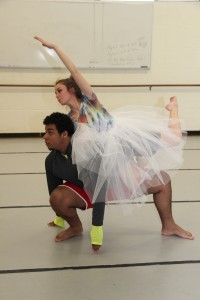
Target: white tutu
[124,161]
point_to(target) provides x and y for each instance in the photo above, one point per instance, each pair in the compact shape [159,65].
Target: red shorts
[80,192]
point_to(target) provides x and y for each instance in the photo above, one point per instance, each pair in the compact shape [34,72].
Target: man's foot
[68,233]
[178,231]
[173,104]
[58,221]
[51,224]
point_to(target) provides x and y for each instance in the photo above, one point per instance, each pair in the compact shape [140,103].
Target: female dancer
[122,156]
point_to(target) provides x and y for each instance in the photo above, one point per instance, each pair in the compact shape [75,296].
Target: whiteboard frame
[95,43]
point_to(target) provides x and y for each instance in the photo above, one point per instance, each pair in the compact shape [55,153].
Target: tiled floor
[136,262]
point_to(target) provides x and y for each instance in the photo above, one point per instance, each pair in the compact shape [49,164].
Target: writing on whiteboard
[126,53]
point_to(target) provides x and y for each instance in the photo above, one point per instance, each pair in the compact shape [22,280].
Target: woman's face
[62,94]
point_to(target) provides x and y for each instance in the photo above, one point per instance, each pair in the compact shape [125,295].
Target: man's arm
[52,180]
[60,168]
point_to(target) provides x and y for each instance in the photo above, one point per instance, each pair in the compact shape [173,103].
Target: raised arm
[76,74]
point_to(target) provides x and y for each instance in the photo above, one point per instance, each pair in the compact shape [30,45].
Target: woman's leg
[162,195]
[173,137]
[174,122]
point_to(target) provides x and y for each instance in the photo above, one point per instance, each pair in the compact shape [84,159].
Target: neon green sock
[96,235]
[58,221]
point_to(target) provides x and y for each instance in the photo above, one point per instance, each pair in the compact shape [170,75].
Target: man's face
[55,140]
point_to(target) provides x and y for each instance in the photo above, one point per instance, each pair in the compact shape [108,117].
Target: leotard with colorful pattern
[94,114]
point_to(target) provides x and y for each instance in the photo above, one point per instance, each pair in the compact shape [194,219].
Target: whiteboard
[101,35]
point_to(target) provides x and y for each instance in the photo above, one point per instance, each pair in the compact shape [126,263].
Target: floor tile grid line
[143,264]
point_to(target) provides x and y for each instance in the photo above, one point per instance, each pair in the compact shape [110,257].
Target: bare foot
[96,248]
[68,233]
[51,224]
[178,231]
[58,221]
[173,104]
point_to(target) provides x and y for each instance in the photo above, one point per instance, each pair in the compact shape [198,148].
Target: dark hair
[62,122]
[71,83]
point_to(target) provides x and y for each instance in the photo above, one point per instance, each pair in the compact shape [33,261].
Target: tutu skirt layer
[123,162]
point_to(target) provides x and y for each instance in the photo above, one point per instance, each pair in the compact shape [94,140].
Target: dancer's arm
[75,73]
[96,232]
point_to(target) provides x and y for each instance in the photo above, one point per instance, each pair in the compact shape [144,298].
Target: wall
[175,60]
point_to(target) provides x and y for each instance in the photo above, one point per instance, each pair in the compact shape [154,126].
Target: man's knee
[61,198]
[55,198]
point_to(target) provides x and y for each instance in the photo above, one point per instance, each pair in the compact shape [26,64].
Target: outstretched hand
[44,43]
[96,248]
[96,235]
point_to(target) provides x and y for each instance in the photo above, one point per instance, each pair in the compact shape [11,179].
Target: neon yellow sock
[96,235]
[58,221]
